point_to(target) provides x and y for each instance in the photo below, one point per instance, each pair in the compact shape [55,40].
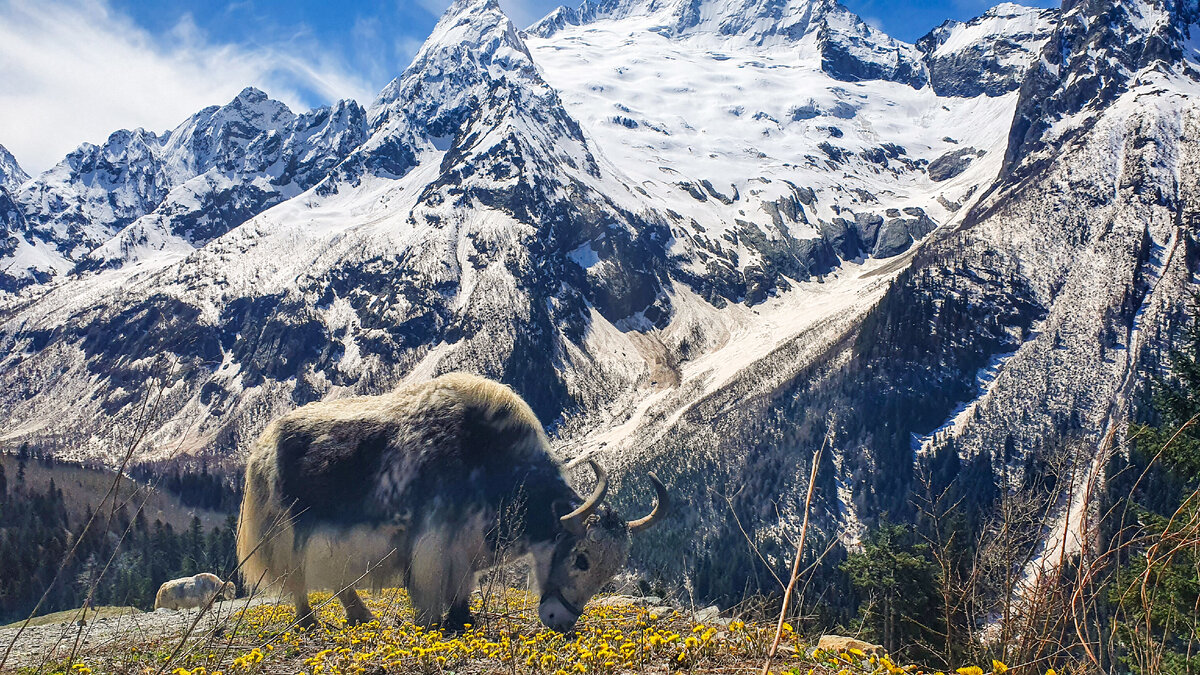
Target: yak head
[591,547]
[228,590]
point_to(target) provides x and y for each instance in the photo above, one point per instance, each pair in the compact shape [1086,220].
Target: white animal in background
[197,591]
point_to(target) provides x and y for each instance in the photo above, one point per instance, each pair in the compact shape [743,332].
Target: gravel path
[55,642]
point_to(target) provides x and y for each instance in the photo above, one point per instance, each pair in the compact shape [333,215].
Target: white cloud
[76,71]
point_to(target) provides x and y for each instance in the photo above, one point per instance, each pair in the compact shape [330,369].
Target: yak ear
[560,508]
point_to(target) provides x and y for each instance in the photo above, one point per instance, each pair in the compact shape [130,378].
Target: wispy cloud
[525,12]
[77,70]
[522,13]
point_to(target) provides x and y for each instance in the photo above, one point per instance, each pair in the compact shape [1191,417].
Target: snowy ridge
[821,31]
[839,173]
[989,54]
[11,173]
[274,165]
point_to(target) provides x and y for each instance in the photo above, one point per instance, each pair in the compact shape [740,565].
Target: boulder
[629,601]
[840,644]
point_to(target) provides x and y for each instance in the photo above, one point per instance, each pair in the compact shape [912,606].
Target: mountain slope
[478,219]
[820,31]
[762,186]
[441,241]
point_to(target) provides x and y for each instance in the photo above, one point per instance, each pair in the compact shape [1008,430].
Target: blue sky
[76,70]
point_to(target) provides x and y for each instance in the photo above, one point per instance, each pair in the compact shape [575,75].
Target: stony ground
[39,647]
[617,634]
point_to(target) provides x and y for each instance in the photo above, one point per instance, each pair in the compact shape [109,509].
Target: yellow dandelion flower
[998,667]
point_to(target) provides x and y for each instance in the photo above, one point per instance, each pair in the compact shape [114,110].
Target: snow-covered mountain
[142,192]
[700,236]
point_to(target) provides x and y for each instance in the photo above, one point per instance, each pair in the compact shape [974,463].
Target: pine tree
[1156,597]
[897,585]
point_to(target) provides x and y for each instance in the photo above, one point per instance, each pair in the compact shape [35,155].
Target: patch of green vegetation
[69,615]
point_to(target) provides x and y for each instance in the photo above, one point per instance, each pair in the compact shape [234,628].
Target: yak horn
[574,520]
[661,504]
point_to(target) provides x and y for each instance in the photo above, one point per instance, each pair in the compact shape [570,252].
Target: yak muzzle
[558,614]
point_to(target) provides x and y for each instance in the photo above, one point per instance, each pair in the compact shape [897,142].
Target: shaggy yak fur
[429,484]
[197,591]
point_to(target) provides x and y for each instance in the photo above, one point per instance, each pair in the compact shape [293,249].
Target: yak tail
[265,537]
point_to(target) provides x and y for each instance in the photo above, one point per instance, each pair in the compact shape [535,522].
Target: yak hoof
[310,622]
[359,620]
[456,623]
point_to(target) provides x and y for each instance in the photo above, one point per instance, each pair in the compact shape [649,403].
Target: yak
[431,484]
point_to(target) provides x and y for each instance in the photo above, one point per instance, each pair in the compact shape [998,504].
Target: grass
[507,639]
[68,615]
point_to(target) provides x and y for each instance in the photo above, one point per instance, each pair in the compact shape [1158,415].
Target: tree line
[121,559]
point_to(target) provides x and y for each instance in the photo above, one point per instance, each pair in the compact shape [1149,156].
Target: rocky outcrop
[988,55]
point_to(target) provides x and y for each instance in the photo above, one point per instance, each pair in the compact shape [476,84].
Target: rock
[842,236]
[805,112]
[868,225]
[952,164]
[840,644]
[629,601]
[894,239]
[834,153]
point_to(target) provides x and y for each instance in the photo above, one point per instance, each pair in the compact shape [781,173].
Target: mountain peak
[254,105]
[1097,52]
[473,41]
[459,7]
[989,54]
[11,173]
[754,21]
[251,95]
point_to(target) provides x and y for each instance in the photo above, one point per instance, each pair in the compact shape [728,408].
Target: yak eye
[581,562]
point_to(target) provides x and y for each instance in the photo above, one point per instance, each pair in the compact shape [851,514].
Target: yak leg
[294,584]
[427,580]
[356,611]
[462,583]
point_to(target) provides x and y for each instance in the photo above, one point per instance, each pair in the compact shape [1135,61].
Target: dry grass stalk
[795,576]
